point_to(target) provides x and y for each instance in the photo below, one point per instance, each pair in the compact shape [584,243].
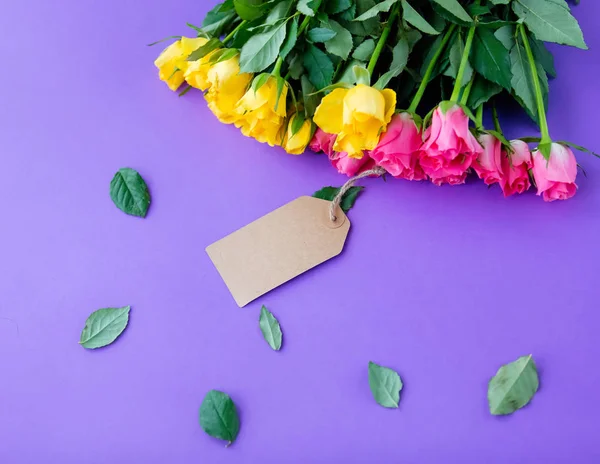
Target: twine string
[376,171]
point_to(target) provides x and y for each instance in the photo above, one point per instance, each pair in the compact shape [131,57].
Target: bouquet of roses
[398,84]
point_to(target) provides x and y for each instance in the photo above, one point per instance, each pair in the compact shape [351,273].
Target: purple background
[442,284]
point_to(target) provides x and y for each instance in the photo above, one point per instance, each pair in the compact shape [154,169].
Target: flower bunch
[351,78]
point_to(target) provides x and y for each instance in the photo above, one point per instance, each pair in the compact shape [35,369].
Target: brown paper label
[278,247]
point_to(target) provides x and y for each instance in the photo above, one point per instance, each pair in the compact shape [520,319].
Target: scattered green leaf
[513,386]
[385,385]
[218,416]
[129,192]
[329,193]
[270,328]
[103,327]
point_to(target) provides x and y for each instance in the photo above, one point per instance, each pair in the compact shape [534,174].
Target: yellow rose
[227,86]
[357,116]
[257,115]
[295,144]
[172,62]
[196,73]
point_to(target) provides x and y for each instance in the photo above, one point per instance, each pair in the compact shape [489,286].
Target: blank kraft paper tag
[278,247]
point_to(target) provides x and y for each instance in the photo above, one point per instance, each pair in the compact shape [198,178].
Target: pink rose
[488,165]
[322,141]
[450,148]
[555,178]
[350,166]
[398,149]
[515,169]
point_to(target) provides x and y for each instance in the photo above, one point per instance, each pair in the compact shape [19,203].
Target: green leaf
[490,58]
[310,100]
[280,11]
[385,385]
[162,40]
[364,51]
[261,50]
[318,66]
[399,60]
[290,39]
[346,15]
[216,20]
[455,57]
[320,34]
[513,386]
[412,17]
[454,8]
[250,10]
[522,80]
[218,416]
[130,193]
[361,75]
[381,7]
[500,2]
[259,81]
[308,7]
[223,54]
[370,27]
[550,21]
[578,147]
[506,35]
[205,49]
[329,193]
[482,91]
[441,63]
[341,43]
[545,149]
[104,326]
[270,328]
[543,56]
[296,66]
[337,6]
[478,10]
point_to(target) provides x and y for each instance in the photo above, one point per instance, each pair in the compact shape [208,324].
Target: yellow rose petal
[390,103]
[328,115]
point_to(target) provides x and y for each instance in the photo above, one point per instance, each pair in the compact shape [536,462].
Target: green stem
[381,43]
[465,95]
[479,116]
[277,69]
[421,90]
[232,33]
[303,25]
[538,90]
[463,65]
[496,120]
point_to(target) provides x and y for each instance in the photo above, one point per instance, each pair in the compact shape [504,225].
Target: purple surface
[442,284]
